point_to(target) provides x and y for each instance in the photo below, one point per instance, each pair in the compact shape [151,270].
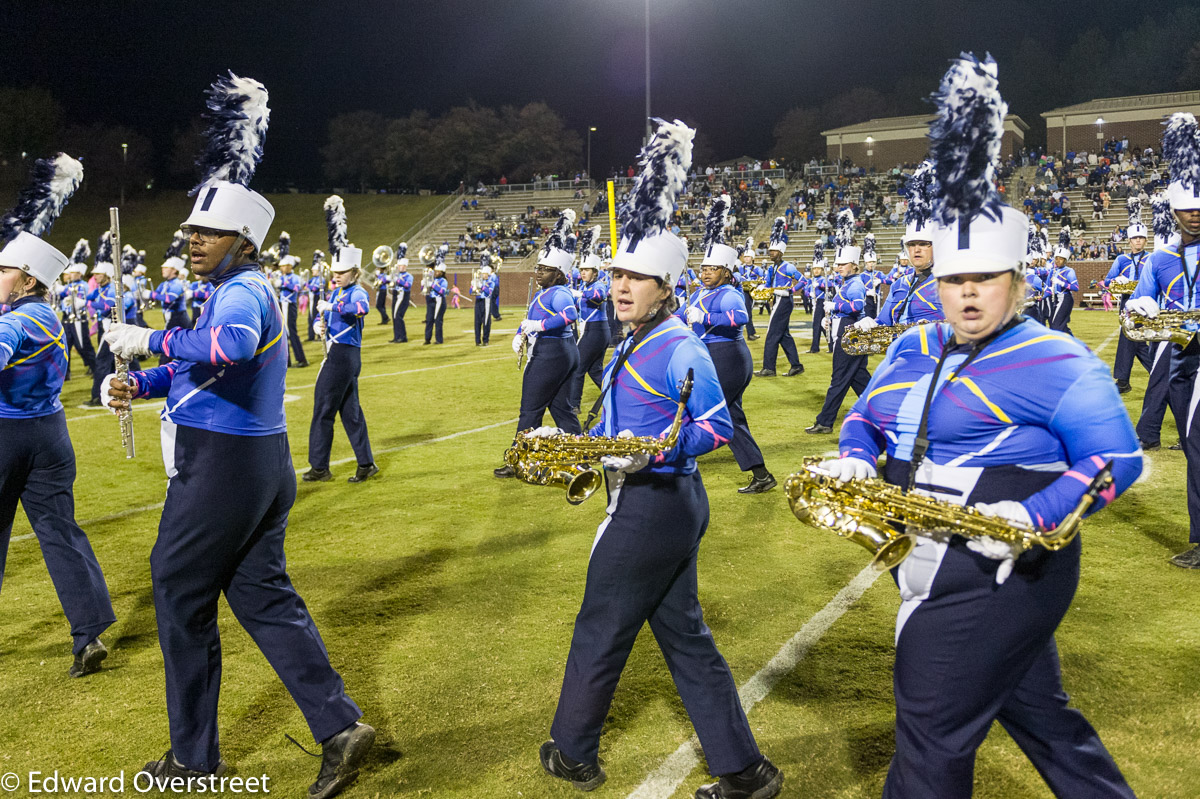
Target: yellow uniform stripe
[53,340]
[644,384]
[889,387]
[1014,347]
[969,383]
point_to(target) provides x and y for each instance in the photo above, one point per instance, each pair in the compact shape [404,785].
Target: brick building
[1139,117]
[884,143]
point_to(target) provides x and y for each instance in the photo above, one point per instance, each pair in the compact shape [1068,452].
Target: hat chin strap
[230,254]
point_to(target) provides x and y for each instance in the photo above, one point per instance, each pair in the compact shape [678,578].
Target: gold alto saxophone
[886,521]
[751,285]
[1122,286]
[762,293]
[856,341]
[1177,327]
[566,459]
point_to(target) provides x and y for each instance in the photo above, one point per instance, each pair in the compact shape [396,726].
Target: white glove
[80,304]
[544,432]
[145,294]
[827,323]
[106,395]
[627,465]
[577,294]
[324,305]
[782,293]
[516,343]
[128,341]
[991,548]
[1143,306]
[866,323]
[695,316]
[843,469]
[319,328]
[530,326]
[187,294]
[828,306]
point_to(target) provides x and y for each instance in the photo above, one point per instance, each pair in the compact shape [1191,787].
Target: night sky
[730,68]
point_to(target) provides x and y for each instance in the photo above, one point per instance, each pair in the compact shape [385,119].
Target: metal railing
[564,184]
[747,174]
[428,220]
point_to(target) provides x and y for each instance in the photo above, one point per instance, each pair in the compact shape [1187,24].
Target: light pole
[647,72]
[124,164]
[870,154]
[1099,135]
[591,130]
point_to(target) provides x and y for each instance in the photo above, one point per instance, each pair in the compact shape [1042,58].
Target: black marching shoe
[1123,387]
[818,429]
[505,471]
[94,402]
[1177,446]
[89,659]
[762,781]
[758,485]
[752,337]
[1151,447]
[584,776]
[1189,559]
[169,767]
[765,373]
[363,473]
[341,756]
[798,369]
[317,476]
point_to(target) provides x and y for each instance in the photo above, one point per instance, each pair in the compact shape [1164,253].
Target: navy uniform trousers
[337,395]
[593,343]
[1128,350]
[435,312]
[546,384]
[735,367]
[849,372]
[635,577]
[750,329]
[778,335]
[37,467]
[106,364]
[381,304]
[312,316]
[78,339]
[496,300]
[222,530]
[483,320]
[1183,398]
[818,316]
[1156,399]
[974,652]
[1060,319]
[295,346]
[399,308]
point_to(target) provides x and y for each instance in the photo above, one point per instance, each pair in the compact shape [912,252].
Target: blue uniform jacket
[644,396]
[1164,279]
[1127,267]
[1073,424]
[783,276]
[403,280]
[724,311]
[103,300]
[554,308]
[345,322]
[169,294]
[227,374]
[850,298]
[924,305]
[289,287]
[591,304]
[33,360]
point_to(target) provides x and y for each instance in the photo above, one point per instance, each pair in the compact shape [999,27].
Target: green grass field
[447,598]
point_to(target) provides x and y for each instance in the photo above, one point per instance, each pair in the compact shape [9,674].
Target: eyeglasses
[542,269]
[205,234]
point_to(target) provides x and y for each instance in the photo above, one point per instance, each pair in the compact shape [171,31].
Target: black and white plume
[1162,219]
[588,240]
[237,125]
[562,229]
[104,248]
[965,140]
[1181,147]
[402,250]
[175,248]
[51,184]
[141,257]
[919,189]
[779,231]
[129,260]
[868,250]
[285,244]
[318,256]
[1035,247]
[1134,206]
[716,221]
[663,164]
[818,252]
[572,240]
[335,224]
[1064,236]
[843,234]
[82,251]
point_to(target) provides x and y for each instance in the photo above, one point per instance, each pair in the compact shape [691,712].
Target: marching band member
[846,307]
[594,332]
[290,287]
[950,405]
[435,297]
[717,313]
[871,278]
[546,330]
[1157,398]
[642,566]
[37,461]
[781,276]
[103,300]
[913,297]
[141,289]
[1168,281]
[170,291]
[315,287]
[748,272]
[401,291]
[1129,267]
[1035,287]
[232,482]
[1061,282]
[382,283]
[819,287]
[73,302]
[481,288]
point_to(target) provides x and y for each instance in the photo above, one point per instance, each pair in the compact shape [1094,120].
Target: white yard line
[1107,341]
[666,779]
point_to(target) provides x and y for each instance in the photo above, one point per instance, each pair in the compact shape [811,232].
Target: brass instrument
[566,459]
[856,341]
[125,415]
[383,256]
[762,294]
[1177,327]
[751,285]
[886,521]
[427,254]
[1122,286]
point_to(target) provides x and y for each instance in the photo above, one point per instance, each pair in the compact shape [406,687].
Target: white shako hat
[716,251]
[237,116]
[973,231]
[847,255]
[918,224]
[176,263]
[557,250]
[347,258]
[289,260]
[647,246]
[1138,229]
[52,183]
[1181,146]
[485,269]
[779,237]
[1062,252]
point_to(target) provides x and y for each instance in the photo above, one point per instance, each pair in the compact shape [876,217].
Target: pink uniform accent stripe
[1083,478]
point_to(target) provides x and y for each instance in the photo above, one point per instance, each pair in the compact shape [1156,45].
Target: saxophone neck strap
[634,341]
